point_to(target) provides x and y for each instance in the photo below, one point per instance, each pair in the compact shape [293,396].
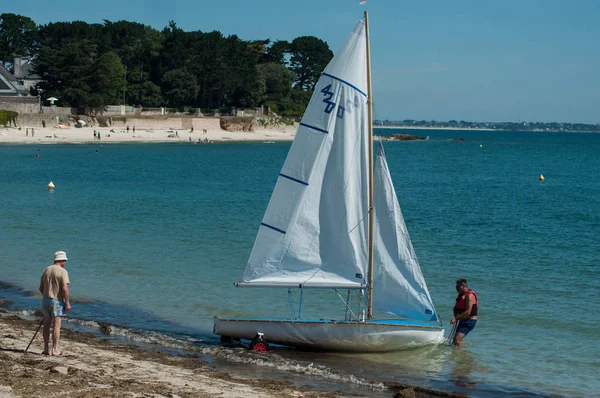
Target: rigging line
[450,337]
[291,304]
[346,304]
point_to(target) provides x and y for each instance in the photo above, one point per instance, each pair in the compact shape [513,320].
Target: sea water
[156,234]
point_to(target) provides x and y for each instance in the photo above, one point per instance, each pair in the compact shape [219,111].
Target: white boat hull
[351,336]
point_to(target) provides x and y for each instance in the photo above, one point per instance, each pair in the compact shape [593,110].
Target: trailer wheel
[259,345]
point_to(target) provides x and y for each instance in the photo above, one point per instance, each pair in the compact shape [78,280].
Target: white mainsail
[398,280]
[314,231]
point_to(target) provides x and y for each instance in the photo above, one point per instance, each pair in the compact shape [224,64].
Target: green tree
[139,47]
[142,91]
[65,71]
[180,87]
[278,80]
[276,52]
[17,37]
[107,77]
[309,56]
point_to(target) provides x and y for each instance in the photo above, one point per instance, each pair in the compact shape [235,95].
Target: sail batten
[272,227]
[345,82]
[314,128]
[293,179]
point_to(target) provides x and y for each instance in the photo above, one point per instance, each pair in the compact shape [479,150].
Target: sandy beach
[53,135]
[91,366]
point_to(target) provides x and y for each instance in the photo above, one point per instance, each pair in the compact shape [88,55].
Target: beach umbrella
[81,122]
[51,99]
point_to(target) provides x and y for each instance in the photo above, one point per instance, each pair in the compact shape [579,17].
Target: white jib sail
[399,285]
[314,231]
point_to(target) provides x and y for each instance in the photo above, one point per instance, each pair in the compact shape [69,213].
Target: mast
[370,144]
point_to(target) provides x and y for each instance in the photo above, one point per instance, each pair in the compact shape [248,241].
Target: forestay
[400,288]
[314,231]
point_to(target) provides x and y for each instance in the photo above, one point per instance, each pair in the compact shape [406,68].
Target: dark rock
[407,137]
[406,393]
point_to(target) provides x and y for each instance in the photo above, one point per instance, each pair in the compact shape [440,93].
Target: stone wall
[56,115]
[59,110]
[165,122]
[20,104]
[37,119]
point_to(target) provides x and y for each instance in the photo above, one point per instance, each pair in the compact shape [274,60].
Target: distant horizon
[431,60]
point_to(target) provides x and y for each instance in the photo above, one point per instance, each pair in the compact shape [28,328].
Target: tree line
[89,66]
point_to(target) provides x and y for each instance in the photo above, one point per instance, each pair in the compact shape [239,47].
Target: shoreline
[479,129]
[85,135]
[91,363]
[432,128]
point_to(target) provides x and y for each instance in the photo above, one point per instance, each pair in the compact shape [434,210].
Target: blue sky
[477,60]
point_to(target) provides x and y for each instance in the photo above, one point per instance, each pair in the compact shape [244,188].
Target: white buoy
[480,146]
[50,185]
[541,177]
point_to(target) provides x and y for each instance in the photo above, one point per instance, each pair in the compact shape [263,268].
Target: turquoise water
[157,234]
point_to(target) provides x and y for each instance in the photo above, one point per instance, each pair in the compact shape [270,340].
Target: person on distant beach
[32,132]
[98,134]
[127,129]
[465,311]
[54,286]
[95,134]
[133,130]
[27,132]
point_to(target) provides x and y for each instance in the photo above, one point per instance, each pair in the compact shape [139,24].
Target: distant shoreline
[433,128]
[481,129]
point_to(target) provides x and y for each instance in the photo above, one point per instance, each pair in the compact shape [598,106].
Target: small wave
[277,362]
[136,336]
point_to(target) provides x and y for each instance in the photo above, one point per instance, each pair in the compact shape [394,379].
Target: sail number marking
[330,105]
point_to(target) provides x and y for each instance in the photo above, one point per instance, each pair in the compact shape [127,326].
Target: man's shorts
[53,307]
[466,326]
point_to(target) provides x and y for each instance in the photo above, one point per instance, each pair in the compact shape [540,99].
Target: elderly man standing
[54,286]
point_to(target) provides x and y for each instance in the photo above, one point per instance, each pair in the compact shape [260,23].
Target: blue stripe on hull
[395,322]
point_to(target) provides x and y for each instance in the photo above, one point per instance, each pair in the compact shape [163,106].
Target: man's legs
[458,337]
[46,334]
[56,335]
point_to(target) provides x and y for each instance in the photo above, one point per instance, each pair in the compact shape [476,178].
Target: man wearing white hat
[54,286]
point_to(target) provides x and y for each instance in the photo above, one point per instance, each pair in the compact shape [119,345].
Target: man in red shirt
[54,286]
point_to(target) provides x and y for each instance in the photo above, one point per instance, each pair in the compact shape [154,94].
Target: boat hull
[346,336]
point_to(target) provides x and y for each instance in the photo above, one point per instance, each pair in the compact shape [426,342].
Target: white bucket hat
[60,256]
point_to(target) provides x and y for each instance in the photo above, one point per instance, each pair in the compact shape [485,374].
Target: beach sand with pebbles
[53,135]
[91,366]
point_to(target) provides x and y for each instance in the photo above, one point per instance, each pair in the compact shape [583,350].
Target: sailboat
[334,222]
